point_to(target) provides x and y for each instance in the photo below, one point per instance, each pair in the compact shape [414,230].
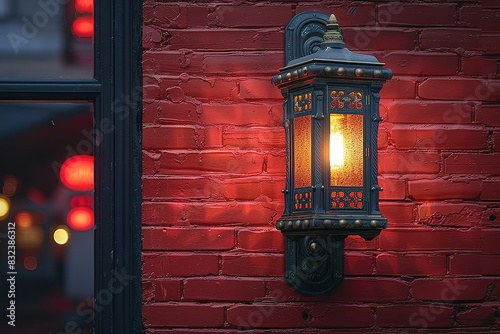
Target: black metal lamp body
[331,117]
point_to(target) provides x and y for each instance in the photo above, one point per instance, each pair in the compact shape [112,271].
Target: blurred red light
[83,26]
[77,173]
[84,6]
[81,200]
[80,219]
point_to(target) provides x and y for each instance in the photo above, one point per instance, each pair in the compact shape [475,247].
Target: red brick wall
[214,167]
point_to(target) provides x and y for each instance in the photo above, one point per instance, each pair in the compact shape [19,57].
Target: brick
[252,264]
[490,20]
[150,163]
[488,115]
[243,63]
[450,214]
[467,138]
[181,315]
[211,137]
[172,62]
[417,162]
[172,91]
[357,243]
[258,89]
[147,13]
[151,37]
[149,112]
[171,16]
[241,114]
[151,92]
[239,16]
[352,15]
[181,137]
[490,264]
[430,239]
[450,289]
[192,331]
[376,38]
[466,264]
[223,289]
[474,264]
[417,316]
[212,213]
[417,14]
[227,39]
[470,16]
[393,189]
[168,113]
[438,189]
[398,213]
[196,16]
[450,39]
[251,188]
[352,289]
[491,216]
[209,88]
[420,64]
[341,316]
[188,239]
[478,65]
[261,240]
[480,316]
[254,138]
[490,239]
[490,43]
[266,315]
[213,162]
[491,190]
[490,4]
[410,264]
[148,293]
[496,141]
[382,138]
[179,264]
[459,89]
[428,112]
[167,290]
[469,163]
[276,162]
[178,188]
[399,88]
[357,264]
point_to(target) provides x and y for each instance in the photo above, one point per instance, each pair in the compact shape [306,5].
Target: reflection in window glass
[46,191]
[46,39]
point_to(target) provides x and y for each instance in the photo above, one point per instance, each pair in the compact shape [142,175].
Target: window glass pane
[302,136]
[346,149]
[46,209]
[46,39]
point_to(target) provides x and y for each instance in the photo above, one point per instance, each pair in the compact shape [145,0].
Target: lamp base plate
[314,264]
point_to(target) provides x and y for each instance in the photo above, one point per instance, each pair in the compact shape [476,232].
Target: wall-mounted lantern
[331,118]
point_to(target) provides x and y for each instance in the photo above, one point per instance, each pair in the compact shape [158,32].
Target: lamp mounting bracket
[304,34]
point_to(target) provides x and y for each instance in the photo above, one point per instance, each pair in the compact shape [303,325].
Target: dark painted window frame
[116,93]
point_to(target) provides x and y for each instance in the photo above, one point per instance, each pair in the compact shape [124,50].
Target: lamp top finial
[333,35]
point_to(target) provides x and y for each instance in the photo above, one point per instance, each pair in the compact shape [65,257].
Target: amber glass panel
[346,149]
[302,151]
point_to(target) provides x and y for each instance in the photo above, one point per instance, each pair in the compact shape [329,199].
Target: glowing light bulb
[337,148]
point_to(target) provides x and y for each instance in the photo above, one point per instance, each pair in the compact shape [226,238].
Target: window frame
[116,92]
